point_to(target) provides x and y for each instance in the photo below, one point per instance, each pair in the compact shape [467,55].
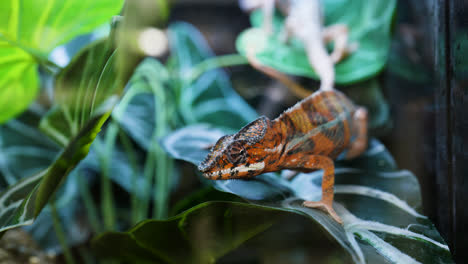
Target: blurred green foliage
[29,31]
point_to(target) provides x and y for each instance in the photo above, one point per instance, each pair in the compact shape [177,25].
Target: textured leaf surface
[377,202]
[369,26]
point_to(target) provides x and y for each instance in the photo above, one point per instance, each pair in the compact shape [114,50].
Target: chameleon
[307,136]
[304,20]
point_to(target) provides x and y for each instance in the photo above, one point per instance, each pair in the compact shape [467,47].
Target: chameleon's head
[234,156]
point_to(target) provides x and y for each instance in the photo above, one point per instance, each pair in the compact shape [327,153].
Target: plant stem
[216,62]
[161,176]
[147,173]
[105,154]
[130,151]
[89,205]
[61,234]
[162,184]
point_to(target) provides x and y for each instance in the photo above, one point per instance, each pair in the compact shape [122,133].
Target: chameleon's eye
[236,153]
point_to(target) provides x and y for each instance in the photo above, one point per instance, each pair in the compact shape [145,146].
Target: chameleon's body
[307,136]
[312,133]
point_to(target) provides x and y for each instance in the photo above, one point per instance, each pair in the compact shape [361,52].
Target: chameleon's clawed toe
[325,207]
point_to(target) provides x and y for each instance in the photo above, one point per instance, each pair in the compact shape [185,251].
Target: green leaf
[202,234]
[143,103]
[23,201]
[24,150]
[29,31]
[86,92]
[85,88]
[19,80]
[208,99]
[377,202]
[43,25]
[369,26]
[211,97]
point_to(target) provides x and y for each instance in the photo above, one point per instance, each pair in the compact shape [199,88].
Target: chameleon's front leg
[268,7]
[328,180]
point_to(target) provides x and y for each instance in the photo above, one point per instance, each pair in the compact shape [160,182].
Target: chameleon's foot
[326,207]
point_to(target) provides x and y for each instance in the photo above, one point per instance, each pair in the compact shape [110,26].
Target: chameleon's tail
[296,88]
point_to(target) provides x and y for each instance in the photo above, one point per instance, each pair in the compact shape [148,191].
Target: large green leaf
[376,201]
[369,26]
[43,25]
[211,97]
[29,31]
[204,234]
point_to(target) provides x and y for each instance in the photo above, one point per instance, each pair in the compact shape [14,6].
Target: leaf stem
[61,234]
[216,62]
[147,173]
[91,209]
[163,162]
[105,154]
[132,156]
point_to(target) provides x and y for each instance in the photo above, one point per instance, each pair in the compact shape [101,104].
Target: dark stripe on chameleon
[291,128]
[327,97]
[283,148]
[307,146]
[309,109]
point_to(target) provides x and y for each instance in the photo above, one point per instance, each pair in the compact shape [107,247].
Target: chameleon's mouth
[234,172]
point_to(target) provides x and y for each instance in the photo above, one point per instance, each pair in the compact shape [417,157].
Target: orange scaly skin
[307,136]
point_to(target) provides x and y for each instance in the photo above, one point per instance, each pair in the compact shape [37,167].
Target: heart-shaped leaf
[29,31]
[376,201]
[369,26]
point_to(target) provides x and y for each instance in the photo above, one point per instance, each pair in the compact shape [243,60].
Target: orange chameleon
[308,136]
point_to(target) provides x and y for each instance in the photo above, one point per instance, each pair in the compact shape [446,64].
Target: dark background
[425,83]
